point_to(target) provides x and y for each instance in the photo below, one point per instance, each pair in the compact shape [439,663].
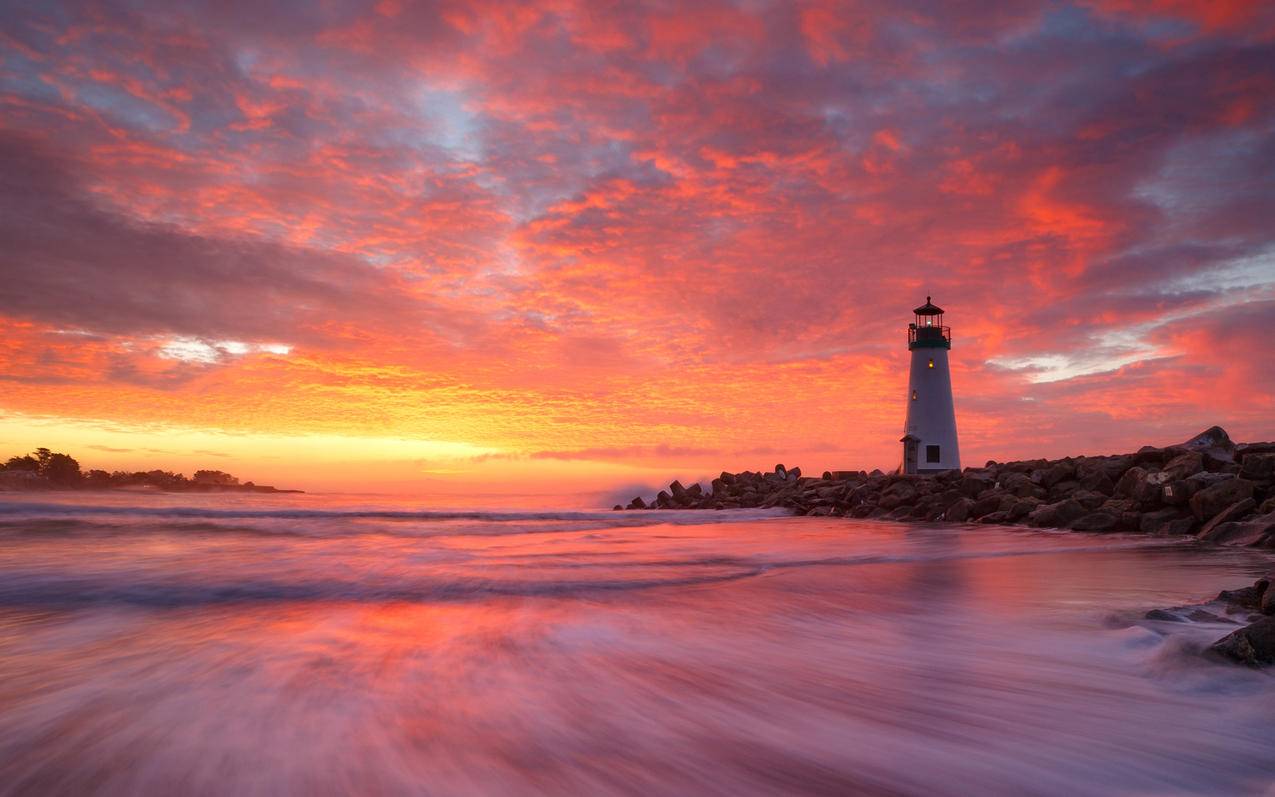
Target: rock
[1151,522]
[678,491]
[1201,616]
[1213,499]
[1176,493]
[1253,645]
[1099,482]
[1118,506]
[794,474]
[1058,515]
[663,500]
[1214,444]
[637,503]
[1267,602]
[971,485]
[986,505]
[781,471]
[1248,597]
[617,508]
[1161,614]
[1096,521]
[1233,512]
[959,511]
[1257,531]
[1130,482]
[995,517]
[1063,490]
[1022,508]
[1184,465]
[1088,499]
[1021,485]
[1258,467]
[1063,471]
[1181,527]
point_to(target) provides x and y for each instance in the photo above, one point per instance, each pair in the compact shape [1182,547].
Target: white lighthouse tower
[929,432]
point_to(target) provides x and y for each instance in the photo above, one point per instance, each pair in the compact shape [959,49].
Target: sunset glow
[569,246]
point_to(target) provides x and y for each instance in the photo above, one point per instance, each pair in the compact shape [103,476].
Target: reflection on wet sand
[361,654]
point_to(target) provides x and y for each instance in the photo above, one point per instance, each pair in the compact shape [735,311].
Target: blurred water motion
[252,645]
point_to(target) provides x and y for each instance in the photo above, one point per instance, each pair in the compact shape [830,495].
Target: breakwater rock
[1209,486]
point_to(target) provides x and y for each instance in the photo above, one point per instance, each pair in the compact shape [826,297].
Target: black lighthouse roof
[929,308]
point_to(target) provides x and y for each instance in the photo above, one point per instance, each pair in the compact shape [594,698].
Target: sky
[477,248]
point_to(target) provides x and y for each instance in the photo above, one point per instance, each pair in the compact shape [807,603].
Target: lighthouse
[929,430]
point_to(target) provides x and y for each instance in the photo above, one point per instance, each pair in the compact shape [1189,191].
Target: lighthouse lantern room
[929,429]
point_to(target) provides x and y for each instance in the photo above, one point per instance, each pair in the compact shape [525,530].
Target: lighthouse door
[909,454]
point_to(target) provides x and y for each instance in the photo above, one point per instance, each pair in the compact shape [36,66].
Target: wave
[26,519]
[82,590]
[661,516]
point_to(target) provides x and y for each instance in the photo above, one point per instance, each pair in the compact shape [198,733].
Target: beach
[248,644]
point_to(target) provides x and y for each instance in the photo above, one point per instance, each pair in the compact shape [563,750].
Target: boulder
[1177,493]
[971,485]
[1181,527]
[1233,512]
[1253,645]
[1214,444]
[1058,515]
[1089,499]
[1184,465]
[679,492]
[1258,531]
[637,503]
[959,511]
[1059,472]
[990,503]
[1258,467]
[1000,517]
[1247,597]
[1152,522]
[1213,499]
[1098,481]
[1096,521]
[1022,508]
[1021,485]
[1130,483]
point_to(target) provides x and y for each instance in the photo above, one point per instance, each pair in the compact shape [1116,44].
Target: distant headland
[50,470]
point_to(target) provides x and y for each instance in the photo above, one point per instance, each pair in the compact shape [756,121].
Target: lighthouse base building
[929,429]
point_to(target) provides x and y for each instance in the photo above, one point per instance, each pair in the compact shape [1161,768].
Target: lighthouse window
[931,453]
[914,395]
[931,362]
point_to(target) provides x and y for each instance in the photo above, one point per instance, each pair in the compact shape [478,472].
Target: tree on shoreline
[59,469]
[62,470]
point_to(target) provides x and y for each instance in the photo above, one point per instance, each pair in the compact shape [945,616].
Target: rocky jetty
[1209,486]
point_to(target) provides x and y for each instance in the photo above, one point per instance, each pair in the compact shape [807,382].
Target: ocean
[344,645]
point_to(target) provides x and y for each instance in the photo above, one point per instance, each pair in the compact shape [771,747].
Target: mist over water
[311,645]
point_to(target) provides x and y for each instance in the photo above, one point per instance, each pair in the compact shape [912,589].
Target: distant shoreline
[49,471]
